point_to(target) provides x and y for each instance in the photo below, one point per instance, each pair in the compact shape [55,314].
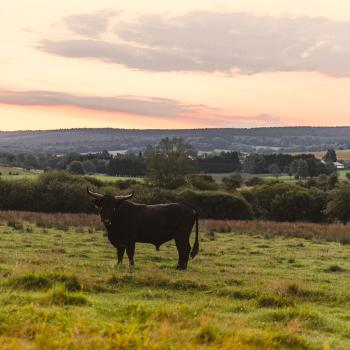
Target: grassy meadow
[254,285]
[8,172]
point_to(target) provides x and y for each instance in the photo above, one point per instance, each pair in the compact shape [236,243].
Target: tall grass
[268,229]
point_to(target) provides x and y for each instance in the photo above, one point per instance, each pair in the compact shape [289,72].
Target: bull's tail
[195,248]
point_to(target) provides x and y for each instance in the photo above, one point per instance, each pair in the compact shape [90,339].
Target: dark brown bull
[127,223]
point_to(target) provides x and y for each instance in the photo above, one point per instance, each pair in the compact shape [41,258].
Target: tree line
[173,153]
[325,199]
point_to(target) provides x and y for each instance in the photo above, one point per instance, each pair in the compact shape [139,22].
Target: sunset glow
[161,64]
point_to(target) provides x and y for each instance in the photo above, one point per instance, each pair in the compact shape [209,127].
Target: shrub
[339,205]
[59,295]
[334,268]
[202,182]
[217,205]
[271,301]
[232,182]
[76,167]
[254,181]
[299,205]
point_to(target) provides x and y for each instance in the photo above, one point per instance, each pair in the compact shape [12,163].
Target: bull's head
[107,205]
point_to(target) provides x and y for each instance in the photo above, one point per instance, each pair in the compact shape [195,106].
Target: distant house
[339,165]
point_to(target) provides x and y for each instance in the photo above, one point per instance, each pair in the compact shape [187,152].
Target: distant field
[114,178]
[23,173]
[249,289]
[282,177]
[341,154]
[6,171]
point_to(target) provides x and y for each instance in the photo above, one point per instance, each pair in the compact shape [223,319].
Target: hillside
[286,139]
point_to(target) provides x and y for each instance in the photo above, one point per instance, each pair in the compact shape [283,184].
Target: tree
[76,167]
[293,168]
[168,163]
[333,180]
[330,156]
[303,169]
[254,164]
[339,205]
[232,182]
[89,166]
[274,169]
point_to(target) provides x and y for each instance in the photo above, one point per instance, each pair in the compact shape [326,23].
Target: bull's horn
[124,198]
[94,195]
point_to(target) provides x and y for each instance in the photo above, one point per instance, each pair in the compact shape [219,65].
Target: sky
[166,64]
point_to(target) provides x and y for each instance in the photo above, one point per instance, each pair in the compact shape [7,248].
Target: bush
[339,205]
[285,202]
[299,205]
[254,181]
[76,167]
[232,182]
[202,182]
[217,205]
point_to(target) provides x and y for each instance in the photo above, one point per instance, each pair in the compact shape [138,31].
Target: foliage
[202,182]
[232,182]
[254,164]
[274,169]
[339,205]
[299,205]
[169,162]
[89,167]
[225,162]
[217,205]
[76,167]
[254,181]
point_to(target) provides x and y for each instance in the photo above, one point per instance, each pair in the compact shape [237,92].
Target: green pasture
[15,173]
[61,289]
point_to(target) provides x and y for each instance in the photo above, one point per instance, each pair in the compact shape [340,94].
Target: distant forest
[256,140]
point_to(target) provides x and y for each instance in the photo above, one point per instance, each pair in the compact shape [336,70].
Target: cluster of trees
[124,164]
[300,166]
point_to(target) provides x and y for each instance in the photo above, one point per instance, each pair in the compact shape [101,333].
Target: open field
[22,173]
[342,154]
[248,289]
[107,178]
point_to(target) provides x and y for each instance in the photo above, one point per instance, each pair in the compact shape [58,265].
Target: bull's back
[160,223]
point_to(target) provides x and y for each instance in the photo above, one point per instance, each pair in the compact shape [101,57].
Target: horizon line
[176,129]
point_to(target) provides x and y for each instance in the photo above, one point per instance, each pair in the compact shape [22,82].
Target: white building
[339,165]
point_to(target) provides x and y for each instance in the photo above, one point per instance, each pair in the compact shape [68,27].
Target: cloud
[90,25]
[153,107]
[158,107]
[242,43]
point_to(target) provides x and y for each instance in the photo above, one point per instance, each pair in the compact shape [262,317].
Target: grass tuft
[335,268]
[60,296]
[271,301]
[31,281]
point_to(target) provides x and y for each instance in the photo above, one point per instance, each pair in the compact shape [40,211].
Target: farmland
[16,172]
[254,285]
[342,154]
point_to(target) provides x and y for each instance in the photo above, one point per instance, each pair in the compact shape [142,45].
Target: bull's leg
[130,250]
[120,254]
[183,248]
